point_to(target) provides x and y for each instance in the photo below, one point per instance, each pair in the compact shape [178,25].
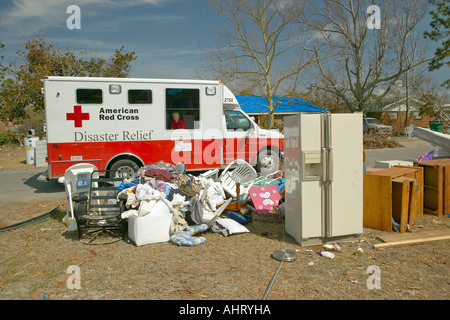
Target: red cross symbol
[77,116]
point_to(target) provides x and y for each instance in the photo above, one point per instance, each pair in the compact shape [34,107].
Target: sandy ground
[35,261]
[13,158]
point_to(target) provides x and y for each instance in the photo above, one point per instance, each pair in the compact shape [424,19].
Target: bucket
[436,126]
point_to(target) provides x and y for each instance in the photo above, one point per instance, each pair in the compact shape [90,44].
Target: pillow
[184,238]
[197,228]
[232,226]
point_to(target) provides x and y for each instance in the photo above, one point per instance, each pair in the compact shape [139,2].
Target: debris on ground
[380,141]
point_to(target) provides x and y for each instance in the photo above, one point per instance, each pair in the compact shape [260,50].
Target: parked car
[373,125]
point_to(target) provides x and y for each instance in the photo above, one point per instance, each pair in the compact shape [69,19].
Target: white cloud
[24,15]
[105,26]
[24,12]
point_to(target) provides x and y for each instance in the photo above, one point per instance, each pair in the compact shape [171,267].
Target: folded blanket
[159,174]
[185,238]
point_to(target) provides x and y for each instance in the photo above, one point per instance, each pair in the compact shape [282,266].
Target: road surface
[404,154]
[23,186]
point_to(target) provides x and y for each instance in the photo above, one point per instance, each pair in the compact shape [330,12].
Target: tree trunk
[407,98]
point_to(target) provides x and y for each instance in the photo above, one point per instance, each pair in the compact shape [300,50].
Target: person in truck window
[176,122]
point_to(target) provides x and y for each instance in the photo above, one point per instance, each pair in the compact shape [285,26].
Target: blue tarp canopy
[258,105]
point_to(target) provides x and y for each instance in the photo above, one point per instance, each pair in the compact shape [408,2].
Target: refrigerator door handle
[324,166]
[330,164]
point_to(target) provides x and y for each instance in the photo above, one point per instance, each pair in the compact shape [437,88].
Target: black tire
[128,168]
[268,162]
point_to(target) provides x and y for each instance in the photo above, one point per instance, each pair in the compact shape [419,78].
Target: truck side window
[140,96]
[89,96]
[185,103]
[237,121]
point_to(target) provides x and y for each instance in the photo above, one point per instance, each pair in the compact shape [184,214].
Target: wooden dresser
[394,193]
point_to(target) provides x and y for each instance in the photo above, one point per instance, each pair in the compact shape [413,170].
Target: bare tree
[260,50]
[366,57]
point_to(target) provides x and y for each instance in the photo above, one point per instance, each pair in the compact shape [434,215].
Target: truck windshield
[237,121]
[373,121]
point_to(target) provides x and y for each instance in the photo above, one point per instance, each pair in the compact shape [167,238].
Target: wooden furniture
[236,205]
[436,186]
[396,193]
[417,194]
[401,188]
[391,240]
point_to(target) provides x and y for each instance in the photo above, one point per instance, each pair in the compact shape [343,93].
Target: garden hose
[31,221]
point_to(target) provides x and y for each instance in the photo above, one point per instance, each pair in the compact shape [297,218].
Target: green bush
[5,138]
[12,137]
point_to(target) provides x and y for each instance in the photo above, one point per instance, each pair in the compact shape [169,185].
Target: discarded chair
[243,173]
[409,131]
[98,213]
[211,174]
[76,182]
[272,178]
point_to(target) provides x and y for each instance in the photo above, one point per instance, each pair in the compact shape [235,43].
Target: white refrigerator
[324,177]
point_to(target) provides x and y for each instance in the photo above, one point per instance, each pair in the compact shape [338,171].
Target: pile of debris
[165,203]
[380,141]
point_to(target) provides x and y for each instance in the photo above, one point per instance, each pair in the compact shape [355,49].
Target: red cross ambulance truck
[124,123]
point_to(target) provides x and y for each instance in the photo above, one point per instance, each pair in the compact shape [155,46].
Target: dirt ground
[13,158]
[35,261]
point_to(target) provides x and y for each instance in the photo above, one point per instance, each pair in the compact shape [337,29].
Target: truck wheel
[128,168]
[268,162]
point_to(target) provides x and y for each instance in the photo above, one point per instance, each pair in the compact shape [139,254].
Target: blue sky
[170,37]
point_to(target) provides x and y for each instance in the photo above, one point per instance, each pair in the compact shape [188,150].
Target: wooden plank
[372,170]
[394,237]
[433,189]
[446,201]
[420,182]
[414,205]
[412,238]
[400,201]
[377,202]
[394,172]
[435,162]
[419,177]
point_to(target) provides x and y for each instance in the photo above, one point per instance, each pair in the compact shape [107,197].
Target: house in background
[391,110]
[394,114]
[257,107]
